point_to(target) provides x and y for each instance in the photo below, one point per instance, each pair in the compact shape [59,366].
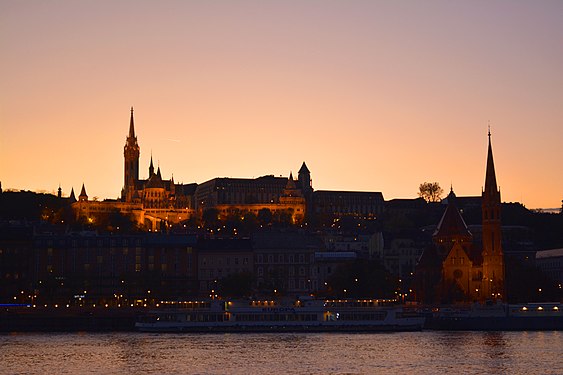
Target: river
[321,353]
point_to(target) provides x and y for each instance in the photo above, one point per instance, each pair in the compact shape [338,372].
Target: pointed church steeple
[490,176]
[151,168]
[72,197]
[290,183]
[83,196]
[131,153]
[132,125]
[493,255]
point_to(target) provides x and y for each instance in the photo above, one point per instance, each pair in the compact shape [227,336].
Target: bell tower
[305,183]
[493,256]
[131,153]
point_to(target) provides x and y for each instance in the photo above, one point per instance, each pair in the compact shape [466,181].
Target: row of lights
[540,308]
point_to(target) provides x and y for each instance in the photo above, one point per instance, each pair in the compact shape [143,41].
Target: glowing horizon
[373,96]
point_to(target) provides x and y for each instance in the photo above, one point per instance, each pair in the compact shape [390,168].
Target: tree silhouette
[430,191]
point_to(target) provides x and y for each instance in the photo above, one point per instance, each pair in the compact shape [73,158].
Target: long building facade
[156,202]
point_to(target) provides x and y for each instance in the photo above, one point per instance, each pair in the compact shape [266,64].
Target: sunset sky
[372,95]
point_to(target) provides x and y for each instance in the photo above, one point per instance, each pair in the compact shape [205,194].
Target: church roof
[290,183]
[304,168]
[83,192]
[72,197]
[451,223]
[155,181]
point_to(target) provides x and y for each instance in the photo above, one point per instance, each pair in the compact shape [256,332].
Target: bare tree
[430,191]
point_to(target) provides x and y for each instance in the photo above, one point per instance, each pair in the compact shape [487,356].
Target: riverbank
[69,319]
[112,319]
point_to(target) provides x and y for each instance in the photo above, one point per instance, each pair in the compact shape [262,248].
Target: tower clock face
[458,274]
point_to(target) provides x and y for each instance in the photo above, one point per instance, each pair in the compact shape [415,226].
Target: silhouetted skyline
[374,96]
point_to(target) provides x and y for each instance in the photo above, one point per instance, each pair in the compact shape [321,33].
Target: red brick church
[454,268]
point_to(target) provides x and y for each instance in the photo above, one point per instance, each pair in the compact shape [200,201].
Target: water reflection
[418,352]
[496,350]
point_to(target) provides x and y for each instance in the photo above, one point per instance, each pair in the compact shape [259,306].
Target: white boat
[305,314]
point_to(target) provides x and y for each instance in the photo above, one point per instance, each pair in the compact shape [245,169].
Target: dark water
[323,353]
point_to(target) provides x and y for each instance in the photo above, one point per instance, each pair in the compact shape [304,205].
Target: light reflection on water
[323,353]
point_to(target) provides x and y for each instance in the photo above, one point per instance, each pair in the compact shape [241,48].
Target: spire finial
[489,125]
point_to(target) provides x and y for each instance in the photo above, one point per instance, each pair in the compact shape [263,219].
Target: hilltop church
[155,201]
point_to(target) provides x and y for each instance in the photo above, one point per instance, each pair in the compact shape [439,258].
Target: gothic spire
[290,182]
[83,196]
[132,126]
[151,168]
[490,176]
[72,197]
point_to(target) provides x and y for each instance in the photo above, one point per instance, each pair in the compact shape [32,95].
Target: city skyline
[372,96]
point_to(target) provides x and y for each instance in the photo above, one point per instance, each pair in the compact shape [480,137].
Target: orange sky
[373,95]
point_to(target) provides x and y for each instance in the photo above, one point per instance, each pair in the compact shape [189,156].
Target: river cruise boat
[302,315]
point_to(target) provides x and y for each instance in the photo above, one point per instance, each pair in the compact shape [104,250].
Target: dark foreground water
[323,353]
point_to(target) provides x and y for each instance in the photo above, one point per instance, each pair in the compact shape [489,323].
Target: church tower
[305,183]
[304,179]
[131,153]
[493,257]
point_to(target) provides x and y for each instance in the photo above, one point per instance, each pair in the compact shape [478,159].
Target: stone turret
[83,197]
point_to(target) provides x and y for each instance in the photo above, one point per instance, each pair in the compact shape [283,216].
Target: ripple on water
[322,353]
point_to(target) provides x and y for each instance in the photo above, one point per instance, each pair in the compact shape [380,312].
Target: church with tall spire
[131,153]
[456,268]
[151,202]
[493,255]
[155,202]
